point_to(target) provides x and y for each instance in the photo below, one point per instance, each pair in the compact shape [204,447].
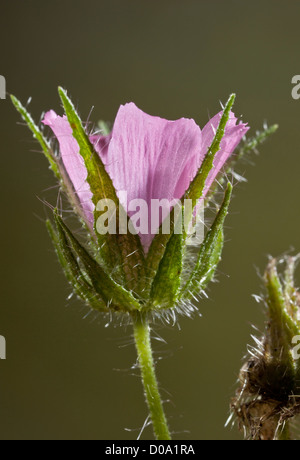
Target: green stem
[146,363]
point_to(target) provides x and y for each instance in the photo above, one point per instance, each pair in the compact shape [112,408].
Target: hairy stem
[146,363]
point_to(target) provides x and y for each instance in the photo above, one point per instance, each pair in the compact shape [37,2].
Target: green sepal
[196,187]
[73,272]
[282,326]
[38,135]
[54,161]
[209,253]
[280,368]
[166,284]
[194,192]
[110,291]
[114,248]
[99,181]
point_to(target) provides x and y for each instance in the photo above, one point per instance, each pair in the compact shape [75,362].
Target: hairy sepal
[113,248]
[81,286]
[209,254]
[110,291]
[166,283]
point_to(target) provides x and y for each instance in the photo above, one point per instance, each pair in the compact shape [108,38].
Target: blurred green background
[70,378]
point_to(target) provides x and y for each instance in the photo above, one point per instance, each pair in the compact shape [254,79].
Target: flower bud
[269,393]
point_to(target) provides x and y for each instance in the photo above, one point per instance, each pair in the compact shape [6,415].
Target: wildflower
[138,274]
[148,157]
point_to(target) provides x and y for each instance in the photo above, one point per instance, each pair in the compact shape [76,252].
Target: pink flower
[148,157]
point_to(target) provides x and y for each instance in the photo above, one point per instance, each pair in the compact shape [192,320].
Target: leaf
[196,187]
[166,284]
[252,143]
[107,288]
[72,271]
[55,163]
[280,369]
[114,248]
[282,326]
[38,135]
[209,254]
[100,183]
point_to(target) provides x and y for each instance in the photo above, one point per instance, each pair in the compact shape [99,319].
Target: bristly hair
[267,402]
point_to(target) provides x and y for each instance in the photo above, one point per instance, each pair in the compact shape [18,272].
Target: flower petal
[147,157]
[151,158]
[233,134]
[72,160]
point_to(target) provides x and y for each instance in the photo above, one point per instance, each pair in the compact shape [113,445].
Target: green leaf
[72,271]
[55,162]
[38,135]
[280,368]
[251,144]
[209,254]
[157,250]
[107,288]
[166,284]
[100,183]
[282,326]
[114,249]
[196,187]
[194,192]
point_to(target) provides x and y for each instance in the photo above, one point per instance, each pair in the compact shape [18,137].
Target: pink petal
[73,161]
[147,157]
[152,158]
[233,134]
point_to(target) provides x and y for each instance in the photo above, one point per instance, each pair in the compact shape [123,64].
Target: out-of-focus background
[66,377]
